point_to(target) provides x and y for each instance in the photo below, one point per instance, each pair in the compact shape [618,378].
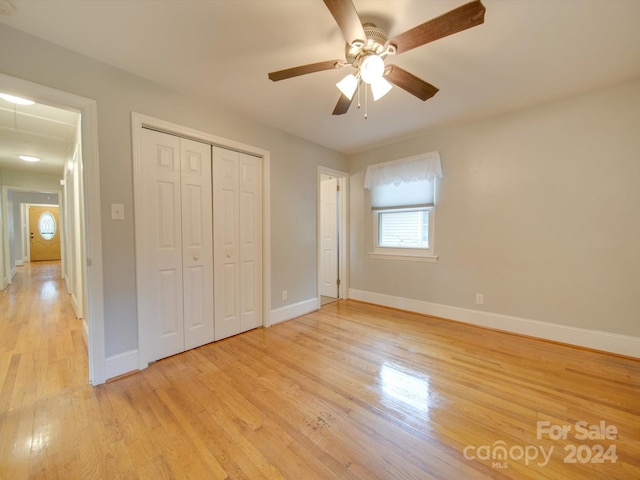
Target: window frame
[418,168]
[404,253]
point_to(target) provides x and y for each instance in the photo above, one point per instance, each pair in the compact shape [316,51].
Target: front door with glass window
[44,232]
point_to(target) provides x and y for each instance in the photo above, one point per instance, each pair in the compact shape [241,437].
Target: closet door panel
[161,298]
[197,242]
[250,185]
[226,242]
[169,324]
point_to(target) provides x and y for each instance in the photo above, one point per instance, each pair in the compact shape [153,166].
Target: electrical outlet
[480,298]
[284,294]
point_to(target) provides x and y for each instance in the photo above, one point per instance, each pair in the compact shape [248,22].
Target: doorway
[90,182]
[332,235]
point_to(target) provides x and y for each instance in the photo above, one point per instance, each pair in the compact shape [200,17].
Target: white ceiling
[527,52]
[45,132]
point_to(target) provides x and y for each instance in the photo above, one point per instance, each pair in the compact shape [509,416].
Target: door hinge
[337,188]
[338,282]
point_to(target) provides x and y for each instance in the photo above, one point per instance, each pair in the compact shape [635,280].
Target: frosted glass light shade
[372,69]
[380,88]
[348,85]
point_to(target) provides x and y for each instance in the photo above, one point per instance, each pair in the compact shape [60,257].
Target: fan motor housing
[376,41]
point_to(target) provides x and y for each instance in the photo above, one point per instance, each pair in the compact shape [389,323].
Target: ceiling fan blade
[412,84]
[461,18]
[346,16]
[343,105]
[304,69]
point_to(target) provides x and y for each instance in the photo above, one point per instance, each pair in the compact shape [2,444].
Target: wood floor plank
[352,391]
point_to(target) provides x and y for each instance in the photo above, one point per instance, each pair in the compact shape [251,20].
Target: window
[403,228]
[47,226]
[403,206]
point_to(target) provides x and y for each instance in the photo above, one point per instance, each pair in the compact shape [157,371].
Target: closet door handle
[196,257]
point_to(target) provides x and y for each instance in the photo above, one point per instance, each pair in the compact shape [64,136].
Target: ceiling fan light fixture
[367,46]
[372,69]
[380,88]
[348,85]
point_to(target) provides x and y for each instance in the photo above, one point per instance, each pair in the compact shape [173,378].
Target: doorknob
[195,257]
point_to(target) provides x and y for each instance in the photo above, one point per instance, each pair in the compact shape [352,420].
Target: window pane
[404,229]
[47,226]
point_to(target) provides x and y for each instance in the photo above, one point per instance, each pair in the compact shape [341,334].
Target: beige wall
[293,170]
[539,211]
[27,180]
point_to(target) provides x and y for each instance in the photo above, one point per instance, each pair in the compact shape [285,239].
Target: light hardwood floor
[353,391]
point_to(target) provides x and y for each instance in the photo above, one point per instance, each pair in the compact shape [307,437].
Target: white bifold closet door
[178,243]
[237,234]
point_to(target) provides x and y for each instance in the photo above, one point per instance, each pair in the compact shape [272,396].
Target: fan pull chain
[366,101]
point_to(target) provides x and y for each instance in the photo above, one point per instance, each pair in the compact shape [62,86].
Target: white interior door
[329,236]
[176,257]
[237,232]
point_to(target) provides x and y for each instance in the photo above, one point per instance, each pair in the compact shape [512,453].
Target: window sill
[410,258]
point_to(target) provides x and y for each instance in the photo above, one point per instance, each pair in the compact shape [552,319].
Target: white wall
[73,205]
[293,170]
[539,211]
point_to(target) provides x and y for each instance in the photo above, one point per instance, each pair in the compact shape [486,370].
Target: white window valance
[425,166]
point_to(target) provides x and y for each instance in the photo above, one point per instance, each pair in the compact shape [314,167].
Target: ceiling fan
[368,46]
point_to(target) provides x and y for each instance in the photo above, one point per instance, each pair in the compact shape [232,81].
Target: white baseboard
[121,363]
[76,306]
[295,310]
[595,339]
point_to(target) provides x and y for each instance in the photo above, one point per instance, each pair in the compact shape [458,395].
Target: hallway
[43,366]
[42,344]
